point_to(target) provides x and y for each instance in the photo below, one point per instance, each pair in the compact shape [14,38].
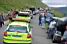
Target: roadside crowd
[9,16]
[44,17]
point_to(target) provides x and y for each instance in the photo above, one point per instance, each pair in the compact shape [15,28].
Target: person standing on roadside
[10,14]
[48,16]
[40,15]
[1,19]
[40,19]
[43,20]
[14,12]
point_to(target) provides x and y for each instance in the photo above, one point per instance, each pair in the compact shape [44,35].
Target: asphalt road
[39,35]
[1,33]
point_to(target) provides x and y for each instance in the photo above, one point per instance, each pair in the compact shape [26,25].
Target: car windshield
[24,15]
[14,28]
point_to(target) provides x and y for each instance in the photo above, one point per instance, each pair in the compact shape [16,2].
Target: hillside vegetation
[8,4]
[57,13]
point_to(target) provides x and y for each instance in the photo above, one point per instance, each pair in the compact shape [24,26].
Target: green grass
[57,13]
[6,5]
[46,25]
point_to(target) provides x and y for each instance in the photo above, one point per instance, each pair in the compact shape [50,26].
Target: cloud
[55,3]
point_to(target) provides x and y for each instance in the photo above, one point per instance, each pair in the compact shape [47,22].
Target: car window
[14,28]
[24,15]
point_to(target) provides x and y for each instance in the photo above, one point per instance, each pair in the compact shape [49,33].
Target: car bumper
[17,41]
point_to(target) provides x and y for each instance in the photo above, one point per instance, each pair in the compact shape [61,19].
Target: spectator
[9,17]
[12,14]
[48,17]
[1,19]
[40,20]
[43,20]
[40,15]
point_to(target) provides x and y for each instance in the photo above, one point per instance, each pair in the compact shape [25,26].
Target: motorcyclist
[51,29]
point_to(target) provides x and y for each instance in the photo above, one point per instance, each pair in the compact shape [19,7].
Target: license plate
[16,36]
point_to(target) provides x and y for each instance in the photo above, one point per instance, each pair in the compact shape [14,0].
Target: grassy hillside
[57,13]
[8,4]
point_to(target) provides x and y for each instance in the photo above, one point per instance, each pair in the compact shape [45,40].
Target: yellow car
[18,32]
[23,16]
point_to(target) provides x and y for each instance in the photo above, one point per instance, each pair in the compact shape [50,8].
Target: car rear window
[15,28]
[24,15]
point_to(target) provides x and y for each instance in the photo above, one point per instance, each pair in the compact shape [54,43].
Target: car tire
[53,41]
[31,17]
[30,43]
[4,43]
[29,22]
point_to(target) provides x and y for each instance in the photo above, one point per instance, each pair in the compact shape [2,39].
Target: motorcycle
[56,37]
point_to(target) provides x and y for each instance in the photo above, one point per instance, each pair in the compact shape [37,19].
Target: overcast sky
[55,3]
